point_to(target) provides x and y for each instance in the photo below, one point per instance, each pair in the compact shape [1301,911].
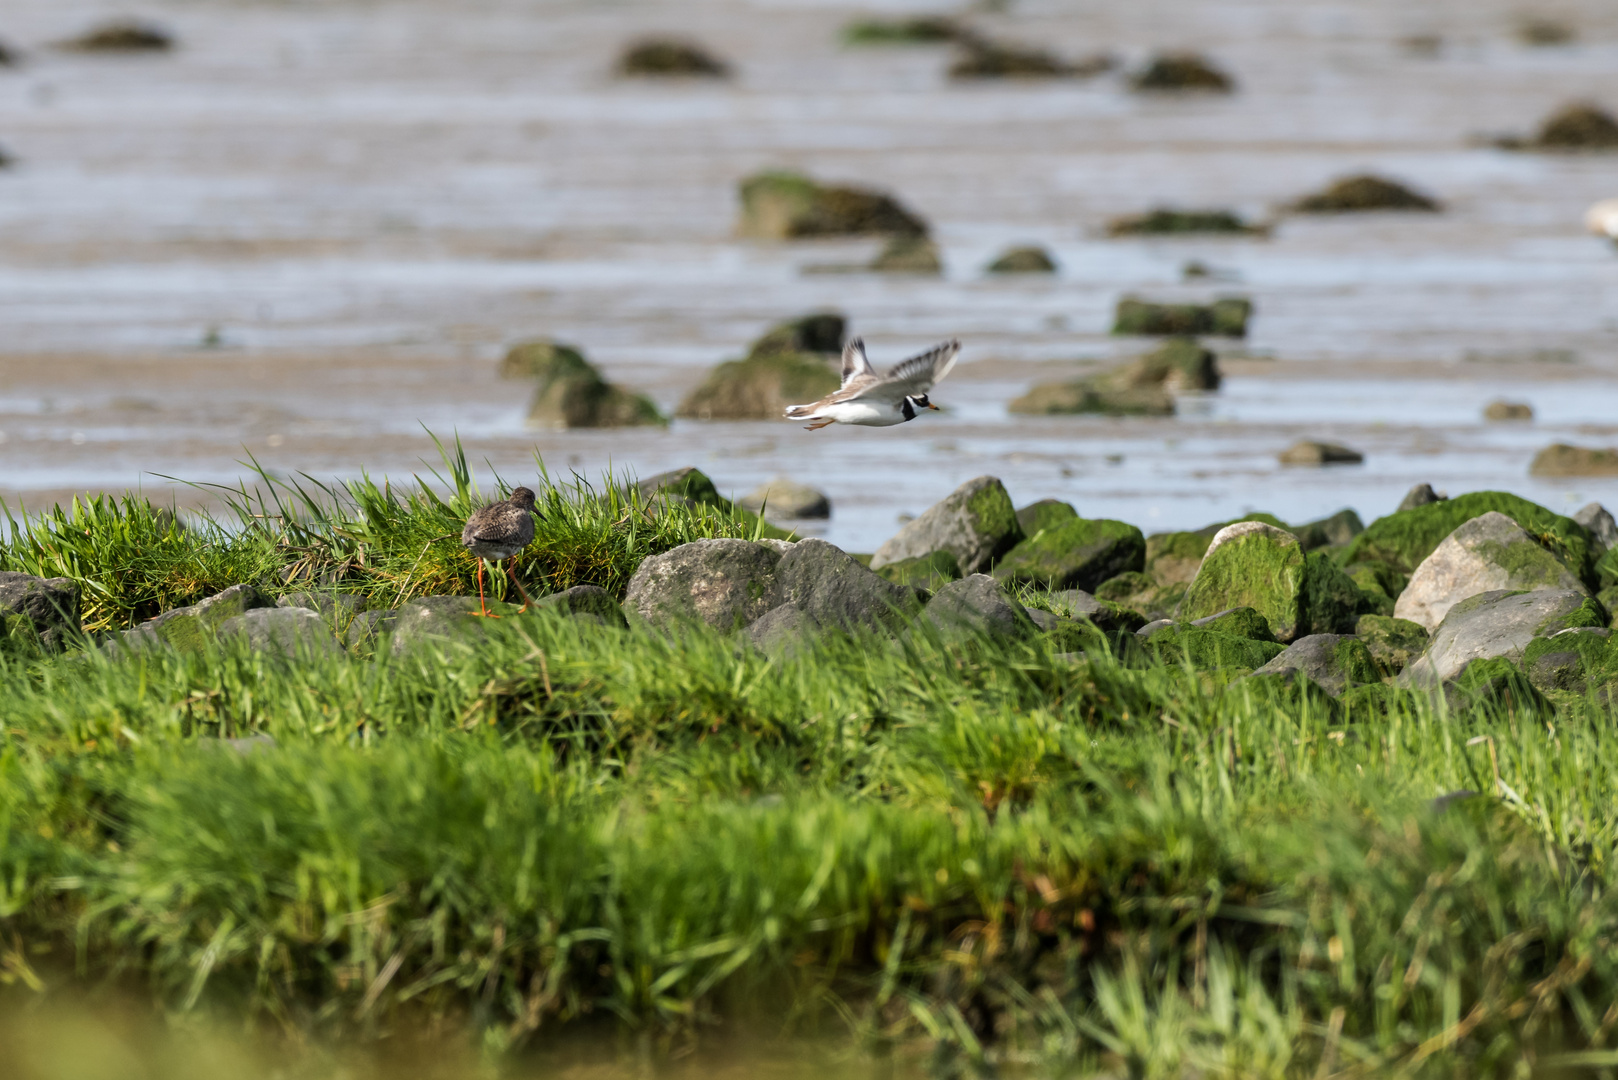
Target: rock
[1494,683]
[588,603]
[1561,670]
[1178,365]
[1044,514]
[1393,643]
[1599,524]
[542,360]
[338,609]
[976,523]
[1173,558]
[368,628]
[759,388]
[1182,71]
[1571,660]
[1379,585]
[782,630]
[666,56]
[787,206]
[250,744]
[1420,495]
[1209,650]
[1543,32]
[1308,452]
[1167,222]
[984,59]
[1046,621]
[572,394]
[288,631]
[978,604]
[685,486]
[440,618]
[1022,260]
[1250,564]
[832,588]
[45,609]
[123,35]
[821,332]
[1334,662]
[785,498]
[1079,554]
[189,628]
[920,30]
[1226,317]
[1362,193]
[1560,459]
[1142,386]
[1489,553]
[723,583]
[9,55]
[1334,531]
[1380,700]
[908,255]
[1083,397]
[1108,617]
[926,572]
[1242,622]
[1140,592]
[1404,540]
[1500,623]
[1578,127]
[1497,411]
[1147,630]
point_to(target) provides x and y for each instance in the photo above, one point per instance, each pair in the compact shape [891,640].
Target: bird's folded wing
[920,374]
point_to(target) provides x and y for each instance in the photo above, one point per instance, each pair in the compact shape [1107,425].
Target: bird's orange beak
[933,407]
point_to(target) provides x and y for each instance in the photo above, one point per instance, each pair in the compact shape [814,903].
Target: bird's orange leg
[817,427]
[527,602]
[483,605]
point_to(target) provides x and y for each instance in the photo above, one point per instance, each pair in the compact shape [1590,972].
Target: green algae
[1243,622]
[1394,643]
[1259,571]
[1044,514]
[1080,554]
[1330,601]
[931,571]
[993,513]
[1205,648]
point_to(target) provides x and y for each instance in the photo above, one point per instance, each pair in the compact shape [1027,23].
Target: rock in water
[785,498]
[48,606]
[1168,222]
[123,35]
[1488,553]
[908,255]
[1500,623]
[920,30]
[1308,452]
[1599,523]
[830,587]
[984,59]
[571,393]
[1420,495]
[1226,317]
[978,604]
[1250,564]
[1182,71]
[1498,411]
[1578,127]
[1560,459]
[543,360]
[1335,662]
[1022,260]
[760,387]
[724,583]
[821,332]
[787,206]
[1143,386]
[667,56]
[1362,193]
[1078,554]
[976,523]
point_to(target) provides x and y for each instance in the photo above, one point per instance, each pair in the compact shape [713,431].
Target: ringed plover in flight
[872,400]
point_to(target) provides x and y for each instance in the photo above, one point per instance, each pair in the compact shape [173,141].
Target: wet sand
[363,203]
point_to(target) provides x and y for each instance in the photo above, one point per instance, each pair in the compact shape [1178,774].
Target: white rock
[1487,553]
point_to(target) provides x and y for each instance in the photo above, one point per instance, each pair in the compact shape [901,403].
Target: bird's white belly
[864,413]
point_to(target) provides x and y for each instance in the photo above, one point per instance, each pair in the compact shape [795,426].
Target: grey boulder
[785,498]
[1485,554]
[50,605]
[1497,623]
[783,630]
[724,583]
[1599,522]
[978,604]
[189,628]
[976,523]
[1335,662]
[289,631]
[435,618]
[589,603]
[834,590]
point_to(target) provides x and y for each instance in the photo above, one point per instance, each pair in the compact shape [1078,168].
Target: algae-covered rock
[1242,622]
[1226,317]
[1379,585]
[1330,601]
[1393,643]
[1250,564]
[1420,495]
[1142,386]
[586,400]
[1022,260]
[786,206]
[834,590]
[908,255]
[926,572]
[669,56]
[123,35]
[1495,684]
[43,610]
[1599,523]
[1309,453]
[1206,649]
[1506,411]
[1404,539]
[1078,554]
[429,619]
[976,523]
[542,360]
[1362,193]
[818,332]
[190,628]
[785,498]
[919,30]
[1334,662]
[1543,32]
[1143,593]
[1560,459]
[1044,514]
[1179,364]
[1380,700]
[760,387]
[1334,531]
[1182,71]
[724,583]
[586,603]
[981,58]
[1570,660]
[1082,396]
[1173,558]
[1488,553]
[1168,222]
[1495,624]
[1108,617]
[1581,126]
[978,604]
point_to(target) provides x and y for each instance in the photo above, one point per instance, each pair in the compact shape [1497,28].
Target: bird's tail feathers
[800,412]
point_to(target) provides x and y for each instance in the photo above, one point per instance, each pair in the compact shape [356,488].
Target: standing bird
[873,400]
[499,531]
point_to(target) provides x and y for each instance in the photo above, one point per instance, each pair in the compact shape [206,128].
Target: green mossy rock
[908,255]
[669,57]
[1497,685]
[921,30]
[691,487]
[976,523]
[1141,387]
[760,387]
[1361,193]
[1561,459]
[1175,72]
[1606,573]
[1394,643]
[1206,649]
[1336,531]
[1023,260]
[1291,690]
[1243,622]
[1330,602]
[1167,222]
[929,572]
[1080,554]
[1568,662]
[1123,586]
[788,206]
[589,401]
[1580,126]
[1256,566]
[1045,514]
[1334,662]
[1379,585]
[543,360]
[1403,540]
[820,332]
[1226,317]
[1111,618]
[189,629]
[1173,558]
[1374,700]
[1081,398]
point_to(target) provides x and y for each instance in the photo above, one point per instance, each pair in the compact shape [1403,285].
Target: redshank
[499,531]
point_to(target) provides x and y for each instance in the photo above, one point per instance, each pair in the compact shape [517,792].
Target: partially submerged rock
[1081,396]
[670,56]
[1182,71]
[820,332]
[1354,194]
[760,387]
[908,255]
[1499,623]
[1560,459]
[543,360]
[1581,126]
[1310,453]
[581,398]
[1541,32]
[976,523]
[1393,643]
[1143,386]
[1022,260]
[1489,553]
[724,583]
[1498,411]
[785,498]
[1226,317]
[918,30]
[981,58]
[45,610]
[1077,554]
[1334,662]
[1165,221]
[123,35]
[789,206]
[978,604]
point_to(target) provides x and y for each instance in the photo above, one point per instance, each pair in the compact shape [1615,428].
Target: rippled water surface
[314,228]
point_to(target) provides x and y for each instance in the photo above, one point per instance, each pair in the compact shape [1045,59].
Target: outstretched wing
[854,361]
[920,374]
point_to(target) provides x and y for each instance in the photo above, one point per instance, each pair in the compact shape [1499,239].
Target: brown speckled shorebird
[499,531]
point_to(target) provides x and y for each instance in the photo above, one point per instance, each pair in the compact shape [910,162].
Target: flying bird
[872,400]
[499,531]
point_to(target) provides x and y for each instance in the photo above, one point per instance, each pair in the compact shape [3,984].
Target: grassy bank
[1002,851]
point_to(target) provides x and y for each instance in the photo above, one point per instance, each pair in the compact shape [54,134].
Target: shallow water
[367,200]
